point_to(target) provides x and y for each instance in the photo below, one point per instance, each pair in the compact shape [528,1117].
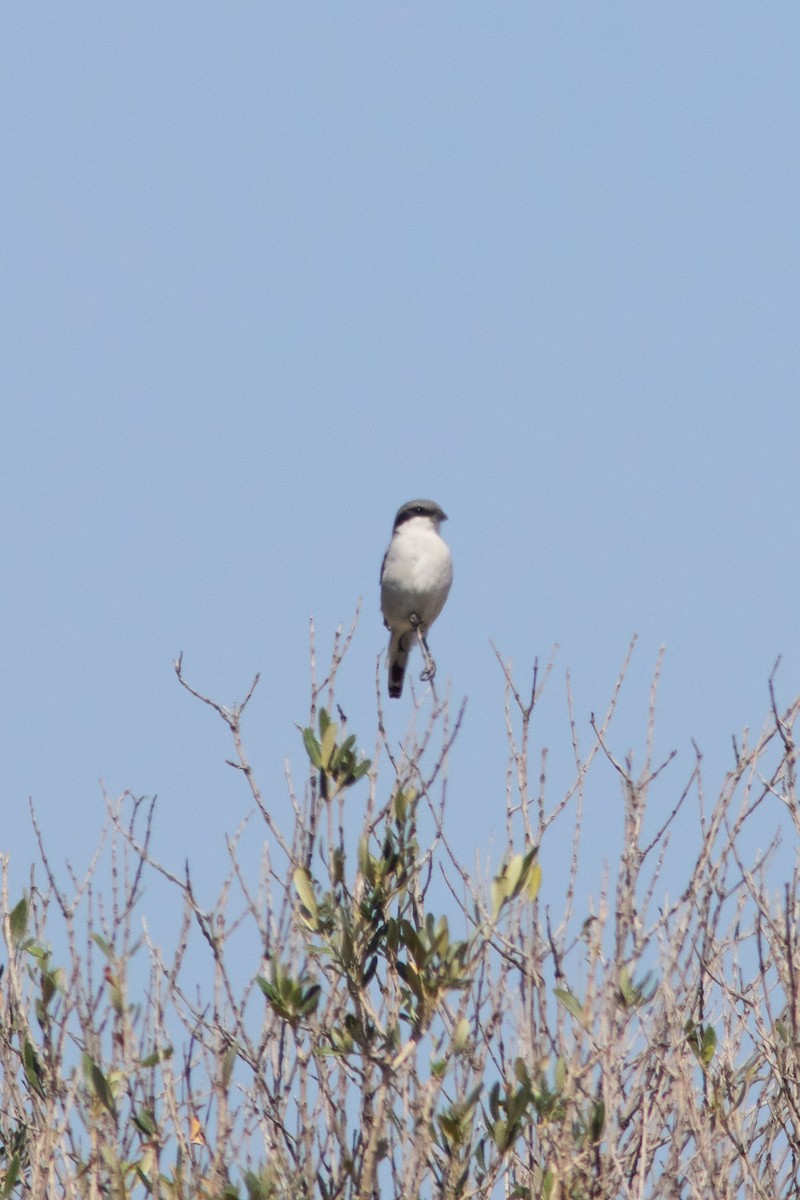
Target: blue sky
[271,270]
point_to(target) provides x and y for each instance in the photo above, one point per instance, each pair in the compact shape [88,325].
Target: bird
[416,575]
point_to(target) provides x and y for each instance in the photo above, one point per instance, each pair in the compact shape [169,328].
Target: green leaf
[267,988]
[12,1177]
[99,1085]
[627,993]
[337,865]
[597,1121]
[145,1122]
[228,1063]
[500,1134]
[33,1068]
[708,1045]
[348,745]
[312,748]
[702,1041]
[372,967]
[534,880]
[52,982]
[287,996]
[305,890]
[632,994]
[366,863]
[104,945]
[152,1060]
[461,1034]
[308,1004]
[522,873]
[513,872]
[572,1004]
[328,745]
[18,919]
[360,770]
[499,896]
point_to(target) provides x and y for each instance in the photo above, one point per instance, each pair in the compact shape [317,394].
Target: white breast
[417,574]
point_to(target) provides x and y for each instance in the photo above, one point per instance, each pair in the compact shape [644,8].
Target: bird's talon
[428,673]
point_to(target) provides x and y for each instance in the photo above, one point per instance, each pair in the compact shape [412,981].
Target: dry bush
[373,1019]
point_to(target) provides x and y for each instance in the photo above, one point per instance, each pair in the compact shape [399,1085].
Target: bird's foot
[430,666]
[429,670]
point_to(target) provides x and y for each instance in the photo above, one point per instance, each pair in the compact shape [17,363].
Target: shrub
[373,1019]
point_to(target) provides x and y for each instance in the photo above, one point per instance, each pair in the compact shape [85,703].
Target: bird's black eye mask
[418,508]
[407,514]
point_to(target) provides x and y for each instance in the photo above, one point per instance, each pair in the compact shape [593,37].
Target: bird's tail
[399,646]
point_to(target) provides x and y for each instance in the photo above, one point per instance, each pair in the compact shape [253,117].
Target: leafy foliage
[405,1027]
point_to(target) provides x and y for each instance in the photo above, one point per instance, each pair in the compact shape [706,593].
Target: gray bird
[416,575]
